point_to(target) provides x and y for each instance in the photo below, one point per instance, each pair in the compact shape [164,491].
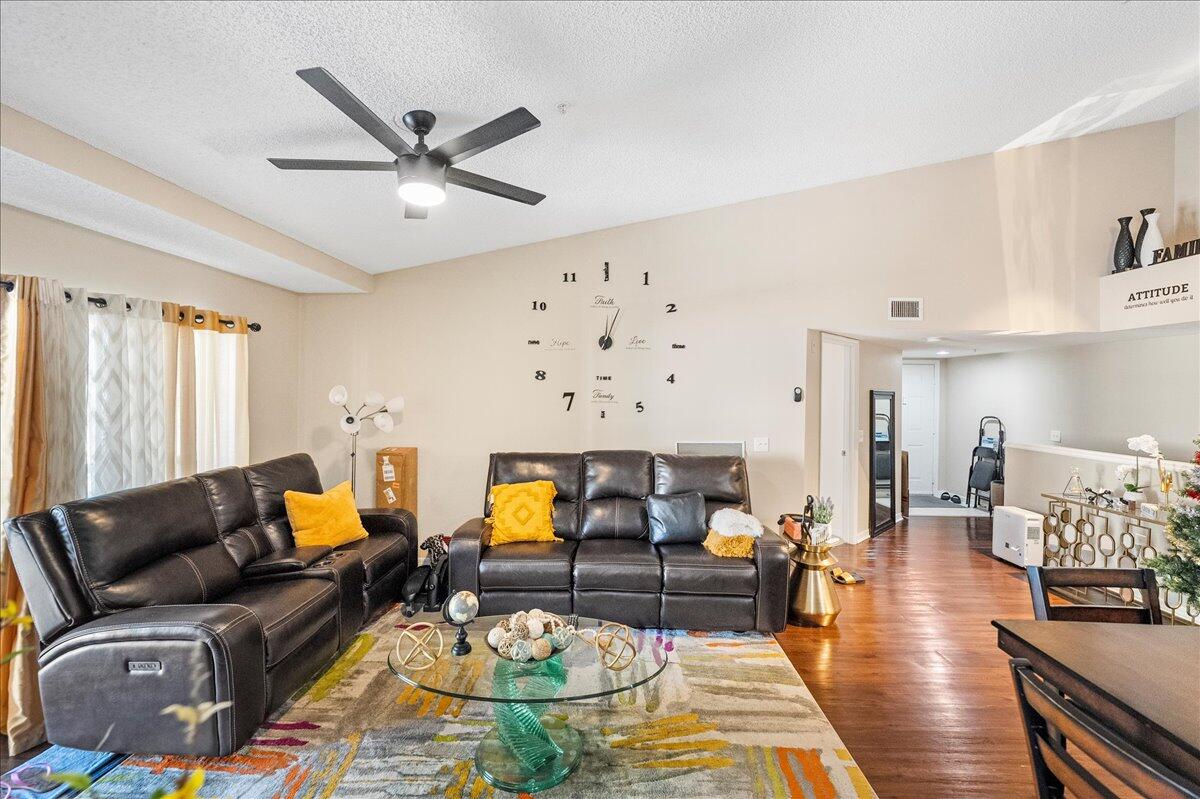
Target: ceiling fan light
[423,194]
[422,180]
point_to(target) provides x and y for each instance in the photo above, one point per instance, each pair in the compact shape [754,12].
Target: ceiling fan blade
[498,131]
[333,91]
[415,211]
[469,180]
[324,163]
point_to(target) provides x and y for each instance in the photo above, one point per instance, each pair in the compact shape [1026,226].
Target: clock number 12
[606,271]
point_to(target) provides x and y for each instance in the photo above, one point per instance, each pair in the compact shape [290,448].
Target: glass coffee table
[527,750]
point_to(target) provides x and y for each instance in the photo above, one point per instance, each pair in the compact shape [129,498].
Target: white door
[919,425]
[838,391]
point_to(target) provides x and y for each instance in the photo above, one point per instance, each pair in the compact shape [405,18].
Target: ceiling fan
[423,173]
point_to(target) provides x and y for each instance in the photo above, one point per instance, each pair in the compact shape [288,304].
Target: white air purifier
[1017,536]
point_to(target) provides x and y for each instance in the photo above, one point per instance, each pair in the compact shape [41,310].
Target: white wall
[37,245]
[1033,226]
[1097,395]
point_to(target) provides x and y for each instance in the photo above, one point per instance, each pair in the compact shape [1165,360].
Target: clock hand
[614,322]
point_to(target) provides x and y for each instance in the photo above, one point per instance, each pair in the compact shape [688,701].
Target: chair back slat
[1042,579]
[1044,708]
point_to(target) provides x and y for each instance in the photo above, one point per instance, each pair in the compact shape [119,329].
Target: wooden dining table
[1141,680]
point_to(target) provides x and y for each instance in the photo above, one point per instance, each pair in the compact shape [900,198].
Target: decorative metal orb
[614,642]
[419,646]
[462,608]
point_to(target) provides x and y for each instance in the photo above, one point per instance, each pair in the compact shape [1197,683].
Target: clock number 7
[569,396]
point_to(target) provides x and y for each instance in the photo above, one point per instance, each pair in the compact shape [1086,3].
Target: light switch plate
[762,444]
[1056,436]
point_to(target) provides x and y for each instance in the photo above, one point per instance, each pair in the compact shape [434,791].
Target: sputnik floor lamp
[352,421]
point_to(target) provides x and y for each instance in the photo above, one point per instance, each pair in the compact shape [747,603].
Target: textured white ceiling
[670,107]
[30,184]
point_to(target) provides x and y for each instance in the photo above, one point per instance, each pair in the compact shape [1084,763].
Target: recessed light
[933,338]
[943,352]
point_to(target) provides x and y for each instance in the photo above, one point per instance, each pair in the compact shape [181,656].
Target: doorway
[839,388]
[919,424]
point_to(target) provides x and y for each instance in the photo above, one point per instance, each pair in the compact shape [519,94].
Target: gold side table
[810,586]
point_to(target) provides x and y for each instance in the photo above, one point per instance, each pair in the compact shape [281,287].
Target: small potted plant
[1130,476]
[822,515]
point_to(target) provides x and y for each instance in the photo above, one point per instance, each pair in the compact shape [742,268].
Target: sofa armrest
[771,557]
[393,520]
[284,561]
[109,685]
[466,548]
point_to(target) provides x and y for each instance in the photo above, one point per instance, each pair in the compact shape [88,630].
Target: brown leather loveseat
[605,566]
[192,592]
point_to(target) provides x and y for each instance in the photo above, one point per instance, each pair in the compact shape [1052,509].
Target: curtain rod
[100,302]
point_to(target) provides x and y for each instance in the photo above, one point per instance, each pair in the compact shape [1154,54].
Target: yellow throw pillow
[330,519]
[729,546]
[522,512]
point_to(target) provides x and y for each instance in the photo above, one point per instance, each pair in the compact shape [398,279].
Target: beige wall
[1097,395]
[994,242]
[37,245]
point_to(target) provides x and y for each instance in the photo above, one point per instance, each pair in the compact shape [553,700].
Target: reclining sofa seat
[192,591]
[605,566]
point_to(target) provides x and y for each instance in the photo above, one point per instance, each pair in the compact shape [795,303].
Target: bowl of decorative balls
[530,636]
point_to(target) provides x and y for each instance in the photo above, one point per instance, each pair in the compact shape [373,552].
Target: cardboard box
[396,478]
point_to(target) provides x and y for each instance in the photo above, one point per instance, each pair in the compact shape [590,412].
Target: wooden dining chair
[1042,579]
[1051,721]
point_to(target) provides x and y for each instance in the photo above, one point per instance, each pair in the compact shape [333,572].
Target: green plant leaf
[74,779]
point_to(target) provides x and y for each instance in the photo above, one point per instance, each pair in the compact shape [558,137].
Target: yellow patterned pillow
[729,546]
[330,519]
[522,512]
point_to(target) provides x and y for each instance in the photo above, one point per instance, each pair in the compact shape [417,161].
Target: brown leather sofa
[188,592]
[605,566]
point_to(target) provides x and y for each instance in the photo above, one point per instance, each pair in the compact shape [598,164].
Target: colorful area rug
[732,719]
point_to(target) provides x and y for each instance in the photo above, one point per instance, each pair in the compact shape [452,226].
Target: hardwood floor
[910,676]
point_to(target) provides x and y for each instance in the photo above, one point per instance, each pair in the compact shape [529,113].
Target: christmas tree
[1179,569]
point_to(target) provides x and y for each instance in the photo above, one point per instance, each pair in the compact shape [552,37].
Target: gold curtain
[20,705]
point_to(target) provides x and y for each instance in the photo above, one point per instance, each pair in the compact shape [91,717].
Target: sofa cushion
[692,569]
[527,566]
[381,552]
[721,479]
[155,545]
[615,485]
[617,565]
[268,481]
[527,467]
[236,516]
[291,612]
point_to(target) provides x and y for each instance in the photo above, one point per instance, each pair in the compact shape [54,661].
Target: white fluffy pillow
[730,522]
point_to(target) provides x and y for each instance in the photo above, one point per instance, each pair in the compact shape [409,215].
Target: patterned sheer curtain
[125,413]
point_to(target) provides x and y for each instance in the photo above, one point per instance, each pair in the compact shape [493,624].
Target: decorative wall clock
[604,337]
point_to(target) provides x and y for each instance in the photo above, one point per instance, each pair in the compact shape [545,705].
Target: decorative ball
[503,624]
[504,648]
[463,607]
[495,636]
[521,629]
[535,626]
[541,649]
[520,615]
[521,651]
[561,638]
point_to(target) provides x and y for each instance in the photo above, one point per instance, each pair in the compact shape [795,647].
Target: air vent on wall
[904,308]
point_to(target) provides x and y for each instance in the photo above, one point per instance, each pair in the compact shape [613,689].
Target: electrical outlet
[762,444]
[1056,436]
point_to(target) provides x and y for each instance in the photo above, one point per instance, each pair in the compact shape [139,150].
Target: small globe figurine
[462,608]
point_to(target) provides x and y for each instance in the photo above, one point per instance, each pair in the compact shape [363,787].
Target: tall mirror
[883,461]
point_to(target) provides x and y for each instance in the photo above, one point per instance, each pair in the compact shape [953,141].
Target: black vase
[1123,253]
[1137,244]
